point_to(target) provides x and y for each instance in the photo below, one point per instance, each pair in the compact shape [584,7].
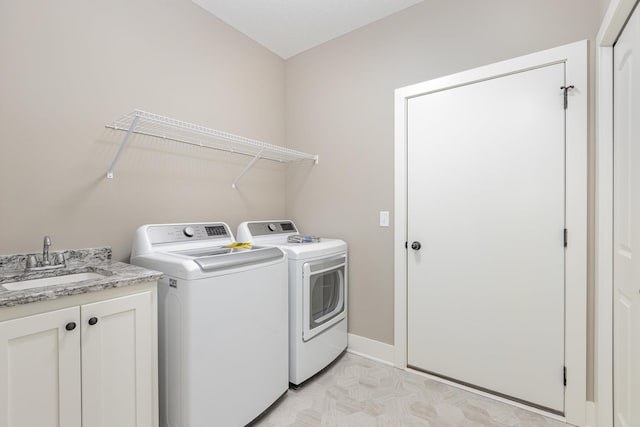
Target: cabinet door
[40,370]
[117,362]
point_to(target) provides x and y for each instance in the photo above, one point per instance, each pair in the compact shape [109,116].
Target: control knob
[188,231]
[272,227]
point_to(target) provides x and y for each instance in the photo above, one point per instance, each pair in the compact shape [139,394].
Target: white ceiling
[288,27]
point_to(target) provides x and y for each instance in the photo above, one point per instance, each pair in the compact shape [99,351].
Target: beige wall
[603,6]
[339,100]
[70,66]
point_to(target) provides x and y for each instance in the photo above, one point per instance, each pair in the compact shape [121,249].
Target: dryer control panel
[271,227]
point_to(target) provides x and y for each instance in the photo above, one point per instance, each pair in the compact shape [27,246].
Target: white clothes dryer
[317,294]
[222,324]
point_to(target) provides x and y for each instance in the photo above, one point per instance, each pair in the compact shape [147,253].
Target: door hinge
[566,237]
[564,375]
[566,95]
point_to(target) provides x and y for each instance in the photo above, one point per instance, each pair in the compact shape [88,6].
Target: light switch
[384,218]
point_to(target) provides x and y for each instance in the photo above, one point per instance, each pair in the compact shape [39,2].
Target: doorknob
[416,246]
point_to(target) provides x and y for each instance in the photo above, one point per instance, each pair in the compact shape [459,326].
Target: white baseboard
[371,349]
[592,420]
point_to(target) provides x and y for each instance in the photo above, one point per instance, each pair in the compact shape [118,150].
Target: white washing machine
[223,325]
[317,294]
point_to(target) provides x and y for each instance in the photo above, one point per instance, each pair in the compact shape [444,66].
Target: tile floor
[358,392]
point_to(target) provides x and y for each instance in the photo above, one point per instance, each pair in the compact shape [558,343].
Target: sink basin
[48,281]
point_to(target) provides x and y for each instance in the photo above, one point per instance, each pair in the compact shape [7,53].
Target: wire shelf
[155,125]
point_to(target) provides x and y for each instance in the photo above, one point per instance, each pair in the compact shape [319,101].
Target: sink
[48,281]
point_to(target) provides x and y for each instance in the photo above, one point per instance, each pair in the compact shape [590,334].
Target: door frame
[616,17]
[576,58]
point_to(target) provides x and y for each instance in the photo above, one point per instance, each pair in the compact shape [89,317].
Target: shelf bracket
[246,168]
[124,143]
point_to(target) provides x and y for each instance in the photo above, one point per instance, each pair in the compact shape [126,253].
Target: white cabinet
[88,365]
[116,379]
[40,370]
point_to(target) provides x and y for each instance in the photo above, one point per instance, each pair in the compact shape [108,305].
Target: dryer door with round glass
[324,285]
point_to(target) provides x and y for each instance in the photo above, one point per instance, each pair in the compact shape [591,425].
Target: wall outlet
[384,218]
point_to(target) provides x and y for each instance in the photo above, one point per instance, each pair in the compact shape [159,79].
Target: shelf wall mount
[150,124]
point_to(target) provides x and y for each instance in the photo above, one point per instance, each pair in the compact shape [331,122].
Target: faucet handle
[60,258]
[31,261]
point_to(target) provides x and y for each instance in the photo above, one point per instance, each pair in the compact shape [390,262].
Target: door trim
[612,24]
[575,57]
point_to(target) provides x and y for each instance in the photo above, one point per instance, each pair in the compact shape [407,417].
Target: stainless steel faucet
[45,251]
[33,264]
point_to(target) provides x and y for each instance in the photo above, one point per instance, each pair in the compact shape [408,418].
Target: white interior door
[626,236]
[486,201]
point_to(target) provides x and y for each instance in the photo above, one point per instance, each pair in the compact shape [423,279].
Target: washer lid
[218,258]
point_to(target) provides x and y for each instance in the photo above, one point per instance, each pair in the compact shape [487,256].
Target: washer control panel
[185,232]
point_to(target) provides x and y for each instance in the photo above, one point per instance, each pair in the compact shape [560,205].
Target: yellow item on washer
[238,245]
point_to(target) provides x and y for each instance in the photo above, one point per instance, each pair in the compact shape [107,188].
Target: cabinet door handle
[93,321]
[70,326]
